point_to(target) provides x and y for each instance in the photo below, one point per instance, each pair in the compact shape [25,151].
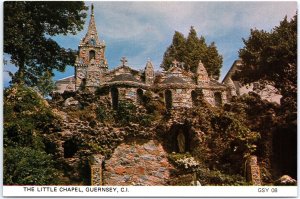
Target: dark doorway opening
[70,148]
[115,98]
[139,96]
[218,99]
[285,151]
[168,99]
[194,98]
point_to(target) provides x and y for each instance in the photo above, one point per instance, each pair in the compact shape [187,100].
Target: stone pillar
[224,97]
[96,170]
[253,171]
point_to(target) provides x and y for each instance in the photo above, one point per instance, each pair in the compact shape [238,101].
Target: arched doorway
[218,99]
[139,96]
[114,97]
[168,99]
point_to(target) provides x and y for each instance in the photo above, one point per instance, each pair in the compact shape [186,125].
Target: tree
[193,50]
[213,61]
[175,51]
[271,58]
[27,119]
[27,116]
[45,84]
[190,51]
[28,27]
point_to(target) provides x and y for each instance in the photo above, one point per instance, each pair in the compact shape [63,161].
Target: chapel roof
[232,69]
[66,79]
[124,77]
[173,80]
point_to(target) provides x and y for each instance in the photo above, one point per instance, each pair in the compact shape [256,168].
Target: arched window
[114,97]
[218,99]
[92,42]
[168,99]
[92,55]
[139,96]
[194,97]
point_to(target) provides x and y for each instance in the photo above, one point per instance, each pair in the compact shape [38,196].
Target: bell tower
[90,63]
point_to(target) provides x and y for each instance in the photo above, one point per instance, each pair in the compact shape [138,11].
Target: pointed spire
[149,65]
[91,36]
[201,74]
[201,69]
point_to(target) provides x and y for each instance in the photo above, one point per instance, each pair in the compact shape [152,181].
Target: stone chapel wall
[138,162]
[182,98]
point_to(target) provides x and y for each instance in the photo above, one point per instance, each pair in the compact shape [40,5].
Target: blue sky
[142,30]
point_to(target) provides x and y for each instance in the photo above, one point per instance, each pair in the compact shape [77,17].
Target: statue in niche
[181,142]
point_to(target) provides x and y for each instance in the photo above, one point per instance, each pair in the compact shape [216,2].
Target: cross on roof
[92,9]
[123,60]
[175,63]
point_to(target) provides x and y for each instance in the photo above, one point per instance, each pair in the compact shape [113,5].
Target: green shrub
[26,166]
[26,117]
[216,177]
[126,113]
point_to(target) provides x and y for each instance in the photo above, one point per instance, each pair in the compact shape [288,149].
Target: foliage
[184,161]
[231,141]
[45,84]
[125,113]
[104,114]
[26,117]
[190,51]
[27,30]
[188,164]
[27,166]
[175,51]
[216,177]
[153,107]
[271,58]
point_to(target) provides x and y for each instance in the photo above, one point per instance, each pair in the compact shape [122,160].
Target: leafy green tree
[190,51]
[26,117]
[45,84]
[213,60]
[27,166]
[175,51]
[232,141]
[193,50]
[28,26]
[271,58]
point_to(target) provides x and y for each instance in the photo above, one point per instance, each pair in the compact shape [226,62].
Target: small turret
[149,73]
[201,74]
[231,86]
